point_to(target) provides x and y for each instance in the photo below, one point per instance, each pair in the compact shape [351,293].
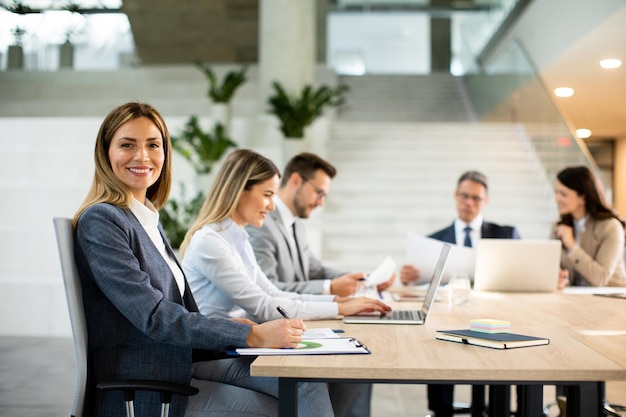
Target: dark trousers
[441,399]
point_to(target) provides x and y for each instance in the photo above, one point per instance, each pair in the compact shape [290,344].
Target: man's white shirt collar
[475,224]
[285,214]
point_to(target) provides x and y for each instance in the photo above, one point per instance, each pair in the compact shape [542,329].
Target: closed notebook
[491,340]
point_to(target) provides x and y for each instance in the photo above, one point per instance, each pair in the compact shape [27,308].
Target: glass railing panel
[509,89]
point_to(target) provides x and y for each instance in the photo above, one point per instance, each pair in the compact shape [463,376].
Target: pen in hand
[282,312]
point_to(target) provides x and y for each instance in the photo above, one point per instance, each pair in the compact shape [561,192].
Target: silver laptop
[517,265]
[409,316]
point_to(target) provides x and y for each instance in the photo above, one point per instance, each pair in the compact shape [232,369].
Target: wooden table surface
[587,343]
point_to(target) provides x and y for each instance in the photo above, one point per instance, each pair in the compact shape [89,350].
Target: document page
[321,333]
[382,273]
[336,346]
[422,252]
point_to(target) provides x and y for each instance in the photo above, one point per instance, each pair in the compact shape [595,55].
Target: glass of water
[459,289]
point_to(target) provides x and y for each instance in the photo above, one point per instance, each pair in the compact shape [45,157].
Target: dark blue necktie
[295,239]
[467,242]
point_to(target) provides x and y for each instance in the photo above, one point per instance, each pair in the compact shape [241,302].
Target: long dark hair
[582,180]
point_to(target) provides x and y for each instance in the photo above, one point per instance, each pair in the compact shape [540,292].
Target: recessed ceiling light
[610,63]
[564,92]
[583,133]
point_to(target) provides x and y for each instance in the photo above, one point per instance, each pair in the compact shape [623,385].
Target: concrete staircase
[406,98]
[399,176]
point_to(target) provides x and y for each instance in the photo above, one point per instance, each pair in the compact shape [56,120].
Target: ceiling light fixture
[563,92]
[583,133]
[610,63]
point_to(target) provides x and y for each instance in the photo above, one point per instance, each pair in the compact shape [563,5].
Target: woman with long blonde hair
[219,261]
[142,320]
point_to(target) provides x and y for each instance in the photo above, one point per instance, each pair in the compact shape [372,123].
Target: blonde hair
[241,170]
[106,187]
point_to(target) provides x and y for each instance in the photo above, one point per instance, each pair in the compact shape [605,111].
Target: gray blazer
[139,326]
[273,254]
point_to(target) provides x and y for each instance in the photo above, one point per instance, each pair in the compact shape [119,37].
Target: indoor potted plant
[177,215]
[296,113]
[203,150]
[222,92]
[15,56]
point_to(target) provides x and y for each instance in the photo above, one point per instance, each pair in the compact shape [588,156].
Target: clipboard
[323,346]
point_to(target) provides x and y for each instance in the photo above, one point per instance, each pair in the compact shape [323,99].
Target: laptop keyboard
[401,315]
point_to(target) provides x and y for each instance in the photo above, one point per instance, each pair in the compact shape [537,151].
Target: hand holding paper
[382,273]
[422,250]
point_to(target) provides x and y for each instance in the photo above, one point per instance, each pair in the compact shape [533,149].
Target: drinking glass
[459,289]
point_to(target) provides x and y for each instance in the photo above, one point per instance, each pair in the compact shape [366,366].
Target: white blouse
[226,280]
[148,216]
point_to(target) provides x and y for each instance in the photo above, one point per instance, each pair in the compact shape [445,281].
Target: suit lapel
[486,231]
[301,244]
[451,235]
[174,289]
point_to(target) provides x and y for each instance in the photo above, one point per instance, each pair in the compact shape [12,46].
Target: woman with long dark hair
[591,232]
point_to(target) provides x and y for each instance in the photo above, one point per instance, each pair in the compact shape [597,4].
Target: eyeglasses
[321,194]
[475,198]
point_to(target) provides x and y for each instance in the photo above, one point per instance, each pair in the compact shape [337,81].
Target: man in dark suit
[471,196]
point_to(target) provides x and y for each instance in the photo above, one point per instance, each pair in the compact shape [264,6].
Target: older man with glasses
[471,197]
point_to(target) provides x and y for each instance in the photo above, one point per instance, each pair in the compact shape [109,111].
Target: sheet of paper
[382,273]
[423,252]
[321,333]
[342,345]
[593,290]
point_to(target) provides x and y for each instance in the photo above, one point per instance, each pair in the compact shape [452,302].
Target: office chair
[73,292]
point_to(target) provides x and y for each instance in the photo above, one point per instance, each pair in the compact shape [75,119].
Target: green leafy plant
[202,149]
[222,93]
[296,113]
[176,216]
[18,33]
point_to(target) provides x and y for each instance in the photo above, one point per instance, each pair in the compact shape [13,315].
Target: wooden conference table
[587,345]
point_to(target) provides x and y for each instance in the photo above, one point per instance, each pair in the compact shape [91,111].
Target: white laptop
[409,316]
[517,265]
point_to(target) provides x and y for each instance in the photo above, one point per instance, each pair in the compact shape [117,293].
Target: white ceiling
[599,101]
